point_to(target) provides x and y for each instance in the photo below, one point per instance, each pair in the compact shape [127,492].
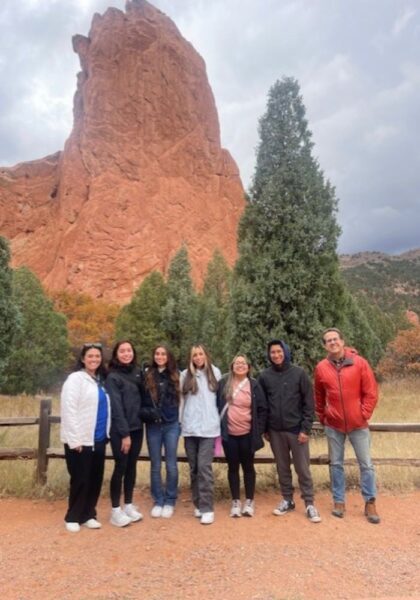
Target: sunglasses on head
[88,345]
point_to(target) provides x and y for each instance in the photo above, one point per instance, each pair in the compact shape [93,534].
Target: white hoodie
[200,417]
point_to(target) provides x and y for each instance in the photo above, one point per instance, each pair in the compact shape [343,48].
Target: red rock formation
[142,172]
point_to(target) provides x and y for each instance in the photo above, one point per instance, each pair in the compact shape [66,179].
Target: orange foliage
[88,320]
[402,356]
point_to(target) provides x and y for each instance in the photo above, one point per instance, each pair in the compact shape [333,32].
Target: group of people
[99,405]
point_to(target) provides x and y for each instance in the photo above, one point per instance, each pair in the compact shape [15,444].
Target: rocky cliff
[142,172]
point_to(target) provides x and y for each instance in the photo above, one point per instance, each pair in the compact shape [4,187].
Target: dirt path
[264,558]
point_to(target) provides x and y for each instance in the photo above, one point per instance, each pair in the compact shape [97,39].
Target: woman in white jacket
[85,419]
[200,427]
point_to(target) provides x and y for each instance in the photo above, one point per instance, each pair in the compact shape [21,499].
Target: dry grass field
[399,403]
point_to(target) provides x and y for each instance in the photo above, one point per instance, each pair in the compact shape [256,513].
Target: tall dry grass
[399,403]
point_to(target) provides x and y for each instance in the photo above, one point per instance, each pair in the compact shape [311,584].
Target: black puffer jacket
[258,412]
[124,385]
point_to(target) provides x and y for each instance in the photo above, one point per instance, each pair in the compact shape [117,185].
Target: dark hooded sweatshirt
[288,391]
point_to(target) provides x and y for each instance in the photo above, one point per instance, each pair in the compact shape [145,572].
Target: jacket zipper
[341,400]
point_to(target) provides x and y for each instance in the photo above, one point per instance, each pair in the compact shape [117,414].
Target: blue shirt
[102,416]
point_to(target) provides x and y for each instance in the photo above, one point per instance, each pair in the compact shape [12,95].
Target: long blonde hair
[228,389]
[190,385]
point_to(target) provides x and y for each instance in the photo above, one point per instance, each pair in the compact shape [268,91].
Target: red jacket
[345,397]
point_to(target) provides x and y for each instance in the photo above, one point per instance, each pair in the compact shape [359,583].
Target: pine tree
[213,302]
[8,312]
[40,349]
[180,311]
[286,280]
[141,320]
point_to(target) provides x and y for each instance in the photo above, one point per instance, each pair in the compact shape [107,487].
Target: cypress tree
[179,315]
[141,320]
[40,349]
[286,280]
[213,302]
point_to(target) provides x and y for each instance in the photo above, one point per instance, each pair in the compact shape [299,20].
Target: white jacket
[79,409]
[200,417]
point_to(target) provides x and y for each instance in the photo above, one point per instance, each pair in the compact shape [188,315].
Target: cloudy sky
[357,61]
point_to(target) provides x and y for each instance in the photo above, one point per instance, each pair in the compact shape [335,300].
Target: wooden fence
[43,453]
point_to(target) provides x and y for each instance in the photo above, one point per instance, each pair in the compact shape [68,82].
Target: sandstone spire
[142,172]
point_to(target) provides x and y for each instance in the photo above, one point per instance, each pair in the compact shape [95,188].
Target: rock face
[142,172]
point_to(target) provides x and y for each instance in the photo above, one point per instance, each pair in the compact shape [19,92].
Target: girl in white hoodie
[200,427]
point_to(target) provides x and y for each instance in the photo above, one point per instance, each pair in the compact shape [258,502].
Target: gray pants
[286,448]
[200,452]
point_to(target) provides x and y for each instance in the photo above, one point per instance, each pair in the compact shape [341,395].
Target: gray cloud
[357,63]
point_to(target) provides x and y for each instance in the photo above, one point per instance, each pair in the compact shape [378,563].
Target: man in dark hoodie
[290,405]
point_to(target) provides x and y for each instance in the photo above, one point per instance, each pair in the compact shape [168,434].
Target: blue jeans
[360,440]
[165,435]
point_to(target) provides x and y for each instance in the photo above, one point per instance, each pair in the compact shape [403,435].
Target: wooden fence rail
[43,453]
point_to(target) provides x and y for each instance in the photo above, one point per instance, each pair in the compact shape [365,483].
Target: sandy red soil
[263,558]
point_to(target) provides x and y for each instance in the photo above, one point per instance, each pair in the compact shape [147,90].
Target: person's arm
[369,395]
[69,404]
[307,407]
[320,396]
[261,405]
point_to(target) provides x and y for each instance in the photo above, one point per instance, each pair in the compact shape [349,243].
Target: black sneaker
[284,507]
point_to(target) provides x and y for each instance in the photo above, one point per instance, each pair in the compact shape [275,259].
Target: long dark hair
[228,389]
[114,363]
[101,371]
[190,382]
[153,370]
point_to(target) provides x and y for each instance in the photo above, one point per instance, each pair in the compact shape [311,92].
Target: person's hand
[126,444]
[303,438]
[78,448]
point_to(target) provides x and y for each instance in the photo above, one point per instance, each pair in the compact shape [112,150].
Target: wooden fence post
[43,441]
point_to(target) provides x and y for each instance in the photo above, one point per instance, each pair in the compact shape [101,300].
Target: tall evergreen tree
[40,349]
[180,311]
[213,321]
[286,280]
[8,312]
[141,320]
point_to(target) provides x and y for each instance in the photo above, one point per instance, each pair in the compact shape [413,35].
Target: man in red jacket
[345,397]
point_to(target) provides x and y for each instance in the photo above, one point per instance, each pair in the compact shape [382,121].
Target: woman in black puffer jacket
[125,388]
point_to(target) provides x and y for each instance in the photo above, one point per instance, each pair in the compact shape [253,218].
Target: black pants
[125,467]
[238,452]
[86,470]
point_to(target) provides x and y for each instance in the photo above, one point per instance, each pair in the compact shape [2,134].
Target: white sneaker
[92,524]
[235,511]
[119,518]
[132,512]
[167,511]
[248,508]
[313,514]
[207,518]
[197,513]
[73,527]
[156,511]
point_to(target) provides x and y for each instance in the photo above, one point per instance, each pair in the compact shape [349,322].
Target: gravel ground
[263,558]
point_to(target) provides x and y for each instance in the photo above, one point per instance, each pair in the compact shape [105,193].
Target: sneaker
[119,518]
[370,512]
[313,514]
[156,511]
[92,524]
[73,527]
[197,513]
[207,518]
[338,510]
[248,508]
[235,511]
[284,507]
[167,511]
[132,512]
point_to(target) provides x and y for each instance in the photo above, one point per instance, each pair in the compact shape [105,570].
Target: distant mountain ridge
[392,282]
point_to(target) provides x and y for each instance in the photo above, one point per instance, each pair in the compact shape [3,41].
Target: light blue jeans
[165,436]
[360,440]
